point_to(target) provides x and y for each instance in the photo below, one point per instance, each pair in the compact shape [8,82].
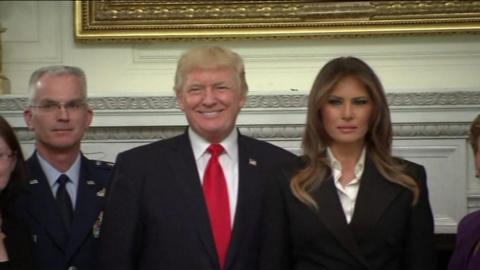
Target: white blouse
[347,194]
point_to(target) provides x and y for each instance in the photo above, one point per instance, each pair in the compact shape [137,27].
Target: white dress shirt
[228,161]
[347,194]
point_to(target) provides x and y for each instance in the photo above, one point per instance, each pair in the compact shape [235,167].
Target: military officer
[66,190]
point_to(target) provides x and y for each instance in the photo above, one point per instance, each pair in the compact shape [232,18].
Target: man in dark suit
[66,191]
[192,201]
[466,255]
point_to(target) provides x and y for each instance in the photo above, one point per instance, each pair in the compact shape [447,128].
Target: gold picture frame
[249,19]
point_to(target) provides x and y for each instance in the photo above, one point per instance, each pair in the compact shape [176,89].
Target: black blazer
[156,218]
[18,244]
[385,233]
[53,249]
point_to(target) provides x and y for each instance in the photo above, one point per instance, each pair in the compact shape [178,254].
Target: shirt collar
[52,174]
[200,145]
[336,166]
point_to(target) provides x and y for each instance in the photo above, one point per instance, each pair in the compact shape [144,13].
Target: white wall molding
[444,161]
[429,107]
[430,128]
[264,132]
[395,100]
[473,202]
[383,50]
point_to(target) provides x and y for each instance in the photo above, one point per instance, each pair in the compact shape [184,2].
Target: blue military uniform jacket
[53,248]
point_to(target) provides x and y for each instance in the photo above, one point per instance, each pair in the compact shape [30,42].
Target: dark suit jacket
[385,233]
[468,236]
[18,244]
[53,248]
[156,218]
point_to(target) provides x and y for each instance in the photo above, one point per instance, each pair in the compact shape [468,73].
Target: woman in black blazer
[15,238]
[347,204]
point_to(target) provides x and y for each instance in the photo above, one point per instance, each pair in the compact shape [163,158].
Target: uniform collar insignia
[33,182]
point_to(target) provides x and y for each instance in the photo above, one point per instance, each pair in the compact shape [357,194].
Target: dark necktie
[216,197]
[64,202]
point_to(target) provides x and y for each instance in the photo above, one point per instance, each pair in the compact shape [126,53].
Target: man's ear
[27,116]
[180,103]
[243,100]
[89,117]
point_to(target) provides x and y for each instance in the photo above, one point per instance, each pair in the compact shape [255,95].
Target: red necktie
[216,197]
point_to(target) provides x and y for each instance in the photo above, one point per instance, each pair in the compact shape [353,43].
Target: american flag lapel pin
[252,162]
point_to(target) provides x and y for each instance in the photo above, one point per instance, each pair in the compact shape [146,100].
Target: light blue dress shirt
[52,175]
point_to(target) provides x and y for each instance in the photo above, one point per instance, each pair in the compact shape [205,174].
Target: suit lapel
[249,187]
[88,207]
[189,185]
[331,214]
[374,196]
[42,205]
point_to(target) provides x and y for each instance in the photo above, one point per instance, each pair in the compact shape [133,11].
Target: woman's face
[346,114]
[7,163]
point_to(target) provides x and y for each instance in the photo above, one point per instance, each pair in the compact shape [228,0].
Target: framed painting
[251,19]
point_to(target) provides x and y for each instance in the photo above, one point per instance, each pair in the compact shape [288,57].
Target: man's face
[59,116]
[211,100]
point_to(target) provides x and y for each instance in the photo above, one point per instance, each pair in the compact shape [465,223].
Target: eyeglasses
[5,156]
[51,106]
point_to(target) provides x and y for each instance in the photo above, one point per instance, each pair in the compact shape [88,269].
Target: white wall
[41,33]
[433,86]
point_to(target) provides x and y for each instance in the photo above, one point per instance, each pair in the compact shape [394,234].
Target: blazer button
[72,268]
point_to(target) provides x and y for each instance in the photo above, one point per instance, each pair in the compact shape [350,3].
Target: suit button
[72,268]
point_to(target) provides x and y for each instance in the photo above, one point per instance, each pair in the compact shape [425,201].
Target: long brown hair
[378,139]
[18,177]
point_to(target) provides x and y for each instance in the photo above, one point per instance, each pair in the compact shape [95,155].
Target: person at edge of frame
[466,255]
[15,236]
